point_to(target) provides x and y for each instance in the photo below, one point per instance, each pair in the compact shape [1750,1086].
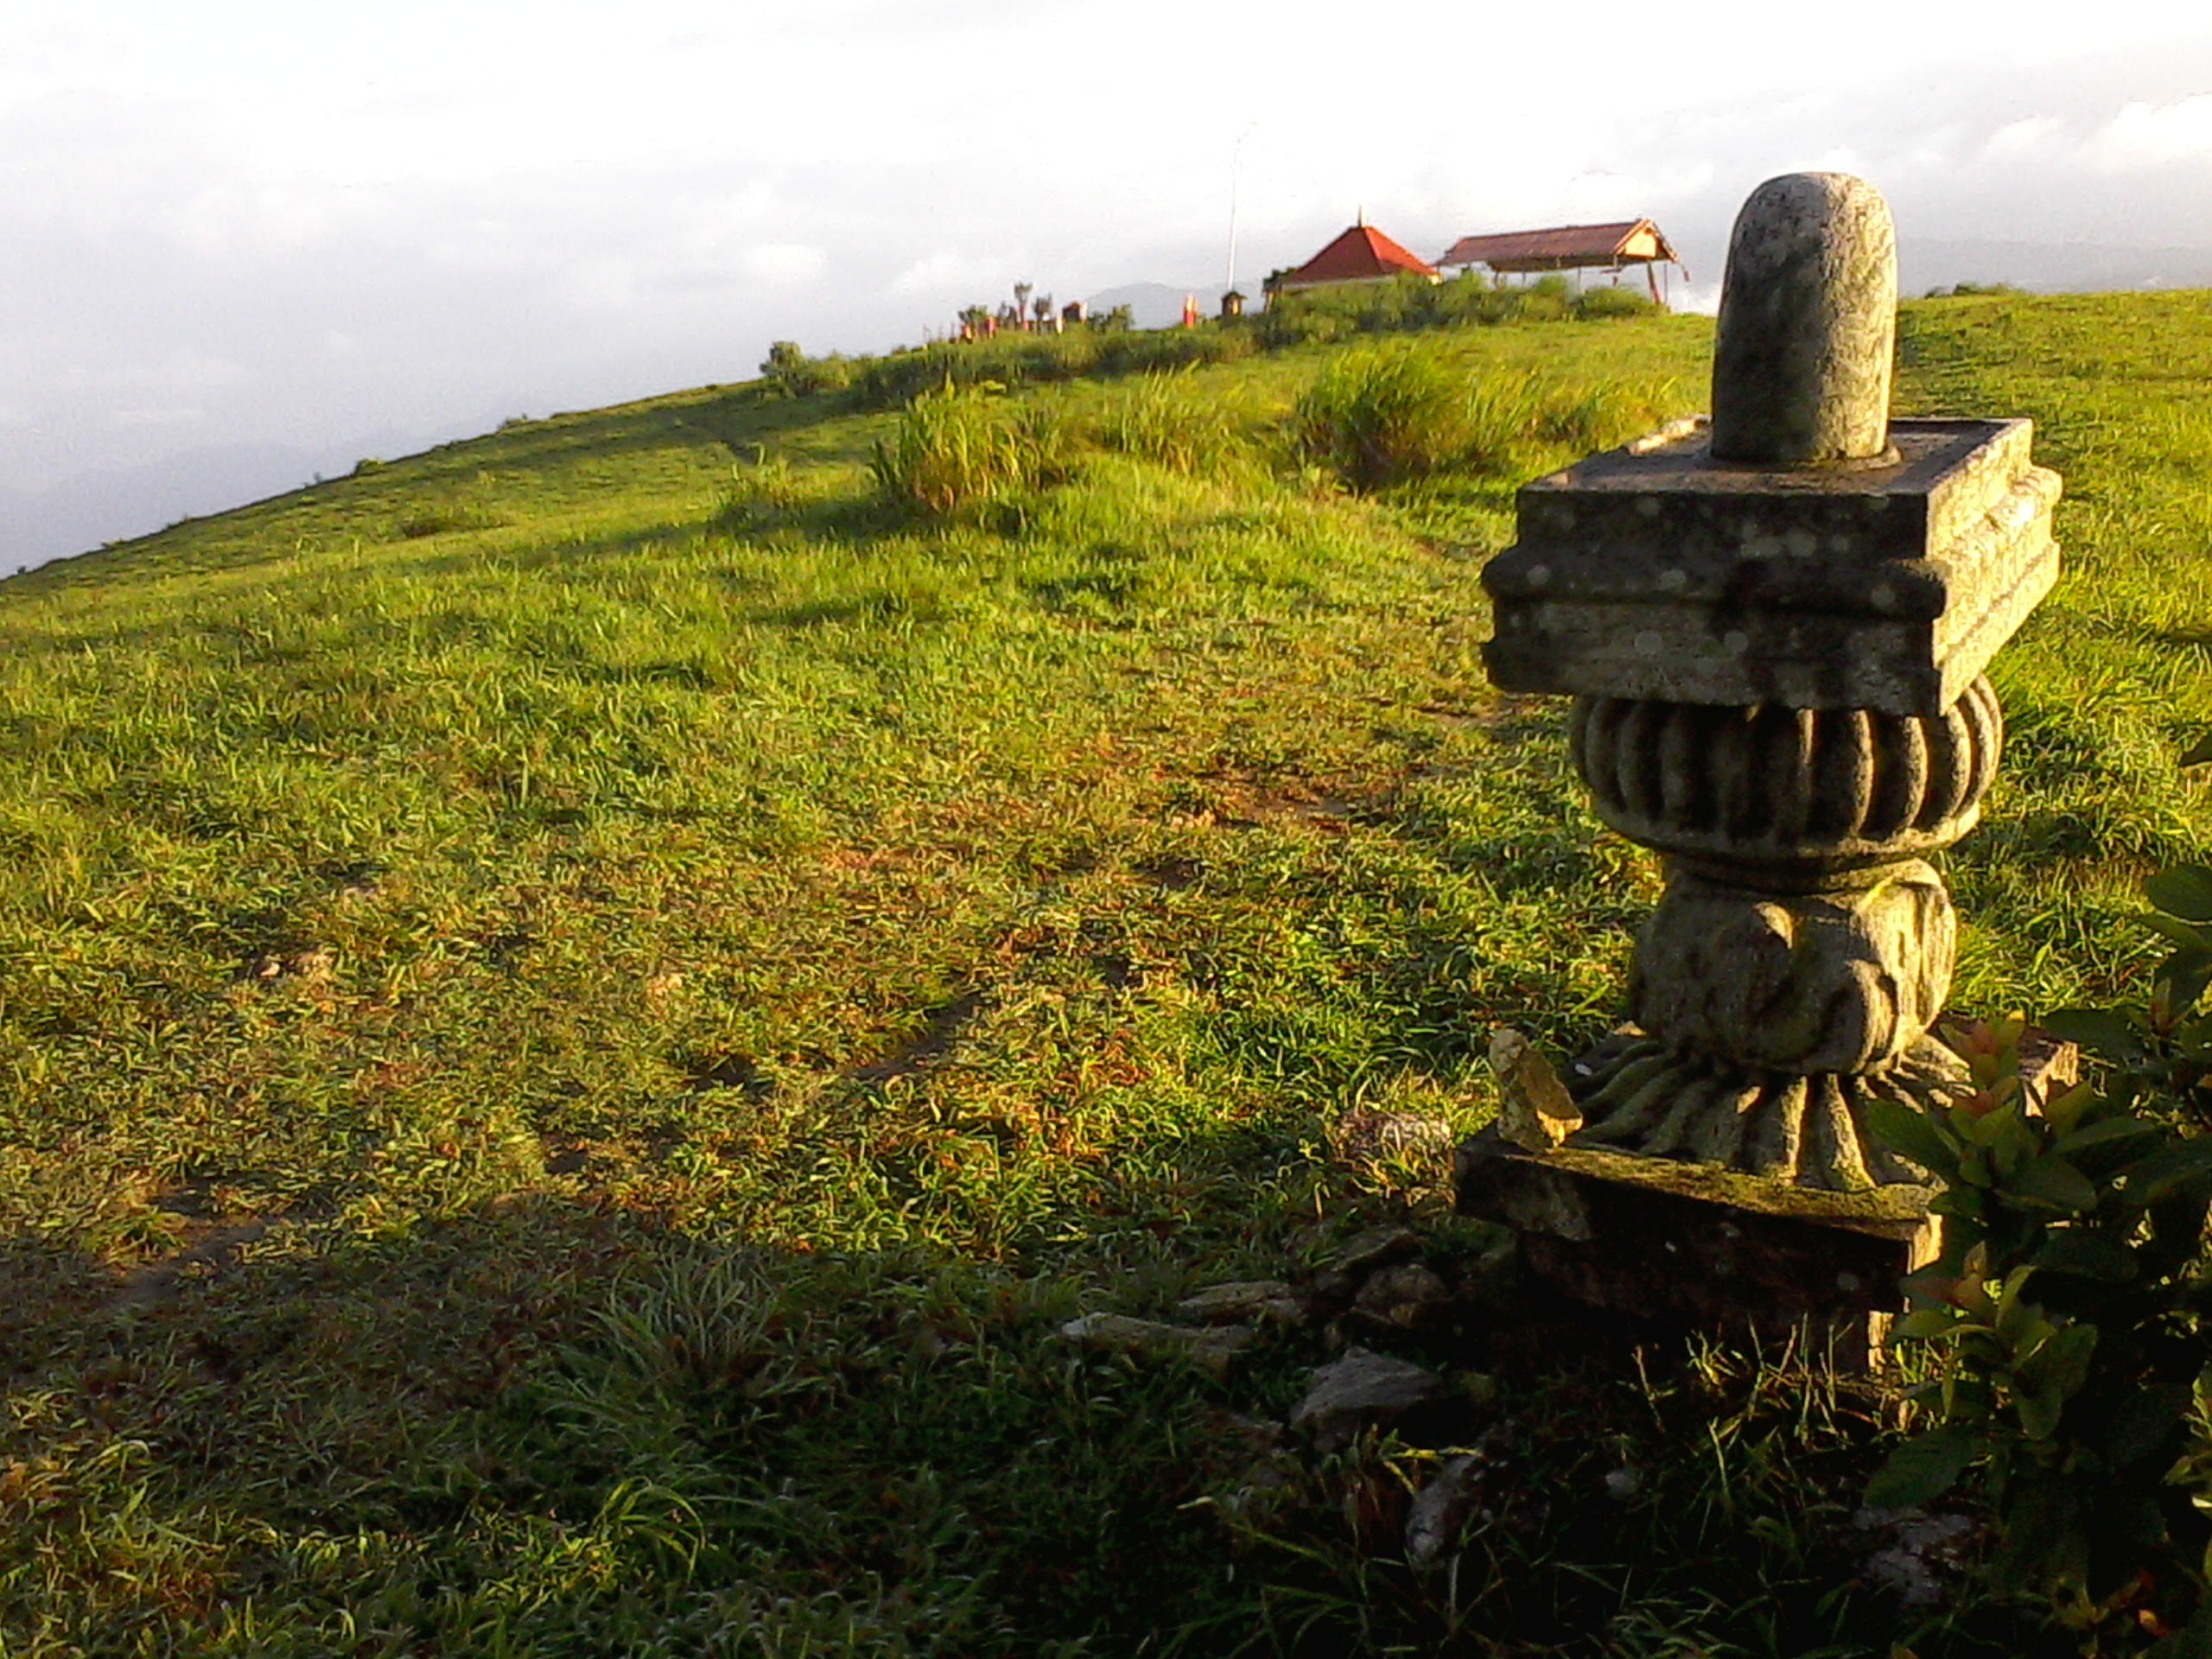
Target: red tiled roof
[1360,253]
[1565,247]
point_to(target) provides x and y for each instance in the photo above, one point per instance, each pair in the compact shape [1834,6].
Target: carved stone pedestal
[1775,625]
[1803,945]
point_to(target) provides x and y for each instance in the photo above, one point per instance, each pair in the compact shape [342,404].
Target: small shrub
[794,374]
[1598,303]
[1383,415]
[442,521]
[1545,300]
[959,446]
[762,489]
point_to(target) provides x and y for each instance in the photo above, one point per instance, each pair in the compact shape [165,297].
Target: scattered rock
[1408,1296]
[1926,1549]
[1272,1474]
[1333,1290]
[1439,1508]
[1489,1275]
[1212,1346]
[1535,1111]
[1377,1247]
[1248,1301]
[1360,1388]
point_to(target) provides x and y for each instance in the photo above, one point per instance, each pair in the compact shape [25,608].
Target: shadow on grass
[557,1426]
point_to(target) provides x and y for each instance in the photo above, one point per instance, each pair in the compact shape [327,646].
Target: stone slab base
[1696,1248]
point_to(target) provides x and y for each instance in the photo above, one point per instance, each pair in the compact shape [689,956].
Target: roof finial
[1361,221]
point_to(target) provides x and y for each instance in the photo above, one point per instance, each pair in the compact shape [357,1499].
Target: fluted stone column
[1775,626]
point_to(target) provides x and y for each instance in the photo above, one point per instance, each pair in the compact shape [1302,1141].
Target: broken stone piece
[1534,1108]
[1408,1295]
[1248,1301]
[1212,1347]
[1362,1388]
[1439,1508]
[1376,1247]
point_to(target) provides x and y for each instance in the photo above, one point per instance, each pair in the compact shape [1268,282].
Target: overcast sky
[239,240]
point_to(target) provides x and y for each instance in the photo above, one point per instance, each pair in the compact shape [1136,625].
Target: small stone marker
[1433,1520]
[1534,1108]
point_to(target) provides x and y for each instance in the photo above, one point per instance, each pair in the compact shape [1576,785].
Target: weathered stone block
[1700,1248]
[1656,571]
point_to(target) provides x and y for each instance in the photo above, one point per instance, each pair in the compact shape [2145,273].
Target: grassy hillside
[577,1007]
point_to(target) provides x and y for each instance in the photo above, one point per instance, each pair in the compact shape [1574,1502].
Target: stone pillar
[1775,625]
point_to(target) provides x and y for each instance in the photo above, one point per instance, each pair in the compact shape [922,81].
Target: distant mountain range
[1158,305]
[2048,267]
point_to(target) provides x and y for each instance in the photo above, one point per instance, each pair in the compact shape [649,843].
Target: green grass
[577,1007]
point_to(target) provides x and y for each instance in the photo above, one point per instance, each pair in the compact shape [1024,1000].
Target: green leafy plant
[2064,1316]
[2161,1049]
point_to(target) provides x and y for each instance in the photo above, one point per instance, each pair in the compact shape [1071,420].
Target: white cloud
[945,273]
[784,264]
[2031,135]
[2146,135]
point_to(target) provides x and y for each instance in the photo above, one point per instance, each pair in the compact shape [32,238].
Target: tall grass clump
[1384,415]
[1393,414]
[1169,422]
[959,446]
[1582,418]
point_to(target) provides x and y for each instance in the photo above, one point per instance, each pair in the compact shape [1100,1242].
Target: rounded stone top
[1808,308]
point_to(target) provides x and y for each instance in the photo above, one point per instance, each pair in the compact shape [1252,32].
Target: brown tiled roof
[1360,253]
[1629,241]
